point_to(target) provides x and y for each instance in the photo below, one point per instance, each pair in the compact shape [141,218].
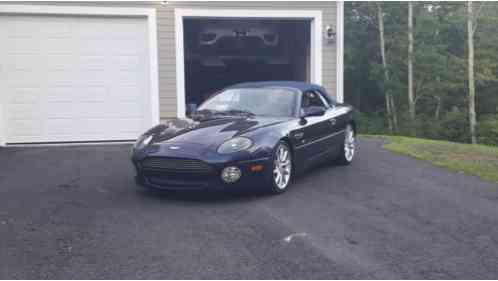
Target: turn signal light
[256,168]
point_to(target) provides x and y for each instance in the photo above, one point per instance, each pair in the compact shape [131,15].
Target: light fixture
[330,33]
[231,174]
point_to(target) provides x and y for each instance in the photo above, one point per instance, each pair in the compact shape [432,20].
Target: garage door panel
[14,29]
[129,125]
[23,111]
[89,110]
[127,77]
[23,62]
[93,126]
[95,46]
[126,93]
[94,76]
[55,29]
[75,78]
[60,62]
[126,47]
[58,77]
[93,94]
[57,94]
[58,110]
[57,46]
[20,45]
[59,126]
[125,110]
[125,62]
[91,62]
[23,129]
[24,95]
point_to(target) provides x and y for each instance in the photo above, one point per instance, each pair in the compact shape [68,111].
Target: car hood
[210,132]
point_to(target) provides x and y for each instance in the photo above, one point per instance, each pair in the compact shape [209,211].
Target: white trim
[180,65]
[340,51]
[154,69]
[75,10]
[3,131]
[180,14]
[70,144]
[149,13]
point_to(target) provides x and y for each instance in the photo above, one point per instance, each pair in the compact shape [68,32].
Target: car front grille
[175,165]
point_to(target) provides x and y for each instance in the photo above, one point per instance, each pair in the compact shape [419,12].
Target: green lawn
[479,160]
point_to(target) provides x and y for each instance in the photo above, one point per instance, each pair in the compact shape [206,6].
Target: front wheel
[281,173]
[348,147]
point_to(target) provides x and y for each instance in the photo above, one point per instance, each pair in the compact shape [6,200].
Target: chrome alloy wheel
[349,143]
[282,167]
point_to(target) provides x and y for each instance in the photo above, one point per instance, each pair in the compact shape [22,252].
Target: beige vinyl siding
[166,37]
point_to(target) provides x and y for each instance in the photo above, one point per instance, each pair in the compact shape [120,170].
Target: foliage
[373,123]
[488,130]
[440,68]
[454,126]
[479,160]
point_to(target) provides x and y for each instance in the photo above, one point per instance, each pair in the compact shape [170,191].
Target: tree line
[426,69]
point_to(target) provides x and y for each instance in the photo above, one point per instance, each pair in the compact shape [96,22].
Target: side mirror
[313,111]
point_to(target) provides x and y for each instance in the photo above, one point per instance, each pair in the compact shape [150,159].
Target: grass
[478,160]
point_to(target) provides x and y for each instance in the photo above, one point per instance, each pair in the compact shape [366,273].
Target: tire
[281,174]
[348,147]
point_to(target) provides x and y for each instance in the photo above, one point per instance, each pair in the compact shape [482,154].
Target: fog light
[231,174]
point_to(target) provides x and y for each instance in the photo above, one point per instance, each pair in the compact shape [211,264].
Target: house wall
[166,37]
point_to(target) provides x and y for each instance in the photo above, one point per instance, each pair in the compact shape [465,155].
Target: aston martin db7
[258,134]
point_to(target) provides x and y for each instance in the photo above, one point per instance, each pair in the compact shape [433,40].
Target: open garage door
[74,78]
[222,52]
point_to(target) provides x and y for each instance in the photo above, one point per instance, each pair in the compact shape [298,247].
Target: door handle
[299,135]
[332,121]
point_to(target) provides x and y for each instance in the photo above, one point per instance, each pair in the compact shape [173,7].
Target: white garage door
[74,78]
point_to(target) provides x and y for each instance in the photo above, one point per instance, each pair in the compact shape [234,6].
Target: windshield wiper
[238,112]
[210,113]
[204,111]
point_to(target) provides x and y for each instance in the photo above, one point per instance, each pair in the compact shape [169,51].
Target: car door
[310,137]
[334,125]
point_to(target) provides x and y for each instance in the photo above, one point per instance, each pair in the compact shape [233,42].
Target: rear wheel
[281,173]
[348,147]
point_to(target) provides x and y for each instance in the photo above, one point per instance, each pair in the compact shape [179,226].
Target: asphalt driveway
[74,212]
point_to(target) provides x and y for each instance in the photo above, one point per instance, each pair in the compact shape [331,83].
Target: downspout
[340,51]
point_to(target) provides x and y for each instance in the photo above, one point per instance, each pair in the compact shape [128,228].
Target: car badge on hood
[174,147]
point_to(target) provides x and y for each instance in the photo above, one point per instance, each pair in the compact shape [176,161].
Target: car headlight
[143,141]
[234,145]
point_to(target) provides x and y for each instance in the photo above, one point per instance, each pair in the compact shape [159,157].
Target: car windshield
[258,101]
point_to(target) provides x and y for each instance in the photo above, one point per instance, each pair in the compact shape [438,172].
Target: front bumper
[170,180]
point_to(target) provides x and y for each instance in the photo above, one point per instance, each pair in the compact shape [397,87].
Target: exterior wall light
[330,33]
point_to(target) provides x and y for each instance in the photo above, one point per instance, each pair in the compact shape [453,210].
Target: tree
[392,118]
[470,60]
[411,98]
[422,50]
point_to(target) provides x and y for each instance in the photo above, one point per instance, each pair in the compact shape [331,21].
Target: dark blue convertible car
[251,135]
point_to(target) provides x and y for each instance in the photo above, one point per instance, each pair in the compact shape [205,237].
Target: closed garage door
[74,78]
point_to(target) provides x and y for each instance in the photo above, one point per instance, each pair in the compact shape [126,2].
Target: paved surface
[74,212]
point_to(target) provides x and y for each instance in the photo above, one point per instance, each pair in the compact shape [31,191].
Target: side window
[312,99]
[327,99]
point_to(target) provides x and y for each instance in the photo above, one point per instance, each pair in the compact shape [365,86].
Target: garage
[74,78]
[223,52]
[219,48]
[92,71]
